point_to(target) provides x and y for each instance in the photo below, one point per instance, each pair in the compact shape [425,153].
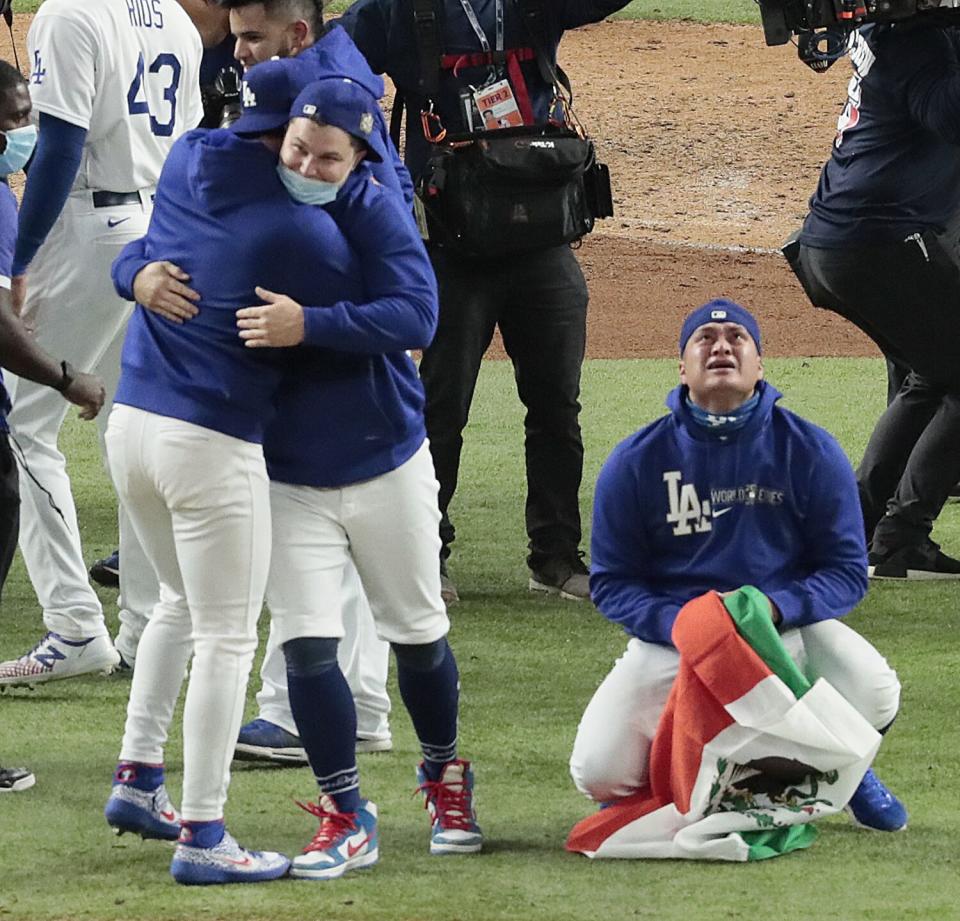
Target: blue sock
[430,687]
[326,721]
[201,834]
[139,776]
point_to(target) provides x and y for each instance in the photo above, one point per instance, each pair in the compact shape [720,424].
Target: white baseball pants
[364,660]
[200,504]
[77,315]
[612,748]
[388,525]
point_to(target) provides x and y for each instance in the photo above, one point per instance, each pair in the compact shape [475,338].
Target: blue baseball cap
[267,91]
[719,310]
[345,104]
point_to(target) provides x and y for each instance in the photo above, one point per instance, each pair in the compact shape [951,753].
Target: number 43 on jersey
[165,70]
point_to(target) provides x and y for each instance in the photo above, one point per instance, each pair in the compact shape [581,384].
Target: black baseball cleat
[922,563]
[106,572]
[13,780]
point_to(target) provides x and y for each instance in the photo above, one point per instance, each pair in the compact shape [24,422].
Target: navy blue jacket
[895,165]
[222,214]
[352,409]
[383,30]
[677,513]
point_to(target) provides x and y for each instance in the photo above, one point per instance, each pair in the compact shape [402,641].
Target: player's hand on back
[87,392]
[278,323]
[161,288]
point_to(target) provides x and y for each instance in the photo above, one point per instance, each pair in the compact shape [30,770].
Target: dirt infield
[714,143]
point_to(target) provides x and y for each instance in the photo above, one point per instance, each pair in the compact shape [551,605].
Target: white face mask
[308,191]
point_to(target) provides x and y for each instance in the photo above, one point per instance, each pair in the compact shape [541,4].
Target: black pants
[9,507]
[539,301]
[906,297]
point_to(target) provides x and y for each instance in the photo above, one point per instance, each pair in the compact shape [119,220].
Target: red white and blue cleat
[449,801]
[345,841]
[148,813]
[225,862]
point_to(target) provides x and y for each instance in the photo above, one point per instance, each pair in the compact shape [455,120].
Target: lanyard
[475,24]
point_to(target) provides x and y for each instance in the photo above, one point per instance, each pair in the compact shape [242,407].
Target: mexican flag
[747,753]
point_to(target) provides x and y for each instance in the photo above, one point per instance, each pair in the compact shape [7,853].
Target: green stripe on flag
[777,841]
[750,610]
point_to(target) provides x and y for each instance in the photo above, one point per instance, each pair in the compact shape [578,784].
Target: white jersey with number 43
[126,70]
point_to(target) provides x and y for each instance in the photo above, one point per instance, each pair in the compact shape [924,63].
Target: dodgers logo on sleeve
[39,71]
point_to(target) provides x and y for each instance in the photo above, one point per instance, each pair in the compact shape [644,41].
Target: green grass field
[528,666]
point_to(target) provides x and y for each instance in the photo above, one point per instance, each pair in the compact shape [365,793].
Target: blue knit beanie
[719,310]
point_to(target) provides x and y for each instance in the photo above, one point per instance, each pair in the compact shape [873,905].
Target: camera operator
[880,247]
[538,298]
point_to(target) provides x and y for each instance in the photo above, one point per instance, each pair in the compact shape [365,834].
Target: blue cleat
[449,801]
[261,740]
[148,813]
[874,807]
[225,862]
[344,841]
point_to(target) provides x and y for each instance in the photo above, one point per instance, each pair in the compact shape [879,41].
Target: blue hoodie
[222,214]
[353,408]
[335,55]
[678,512]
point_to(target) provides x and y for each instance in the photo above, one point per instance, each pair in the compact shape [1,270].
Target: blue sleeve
[398,281]
[8,233]
[392,173]
[835,553]
[125,267]
[931,82]
[366,23]
[620,551]
[54,167]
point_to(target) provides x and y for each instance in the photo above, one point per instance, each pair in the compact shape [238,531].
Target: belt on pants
[104,199]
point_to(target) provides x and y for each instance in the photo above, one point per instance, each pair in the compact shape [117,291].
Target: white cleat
[55,657]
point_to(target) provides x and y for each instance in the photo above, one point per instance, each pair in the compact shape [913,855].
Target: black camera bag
[513,190]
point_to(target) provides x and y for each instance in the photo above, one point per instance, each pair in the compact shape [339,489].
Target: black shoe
[106,572]
[923,563]
[567,577]
[13,780]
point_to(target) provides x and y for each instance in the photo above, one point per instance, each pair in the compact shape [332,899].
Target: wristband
[67,374]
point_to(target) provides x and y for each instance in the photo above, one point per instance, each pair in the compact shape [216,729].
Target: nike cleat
[147,813]
[225,862]
[449,801]
[344,841]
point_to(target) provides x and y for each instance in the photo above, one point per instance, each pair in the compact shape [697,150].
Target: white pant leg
[76,314]
[139,589]
[393,525]
[216,490]
[166,645]
[612,749]
[854,667]
[364,660]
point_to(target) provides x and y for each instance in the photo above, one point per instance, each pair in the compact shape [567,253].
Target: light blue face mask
[20,144]
[307,191]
